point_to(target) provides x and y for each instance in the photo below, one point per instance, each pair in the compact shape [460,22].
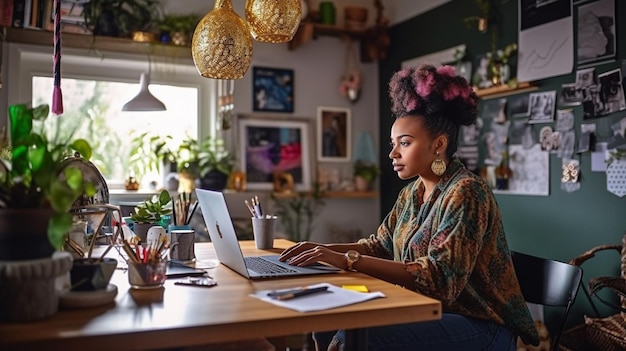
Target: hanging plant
[350,84]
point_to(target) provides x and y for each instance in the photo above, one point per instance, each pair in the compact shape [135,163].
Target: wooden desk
[187,316]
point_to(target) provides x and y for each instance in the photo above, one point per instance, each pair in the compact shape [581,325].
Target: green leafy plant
[182,23]
[297,211]
[121,16]
[34,175]
[214,155]
[148,151]
[369,172]
[153,209]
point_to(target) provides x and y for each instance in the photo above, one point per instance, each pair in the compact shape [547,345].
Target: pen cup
[147,275]
[264,229]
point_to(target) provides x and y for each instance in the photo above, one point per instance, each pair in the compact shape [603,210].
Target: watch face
[353,255]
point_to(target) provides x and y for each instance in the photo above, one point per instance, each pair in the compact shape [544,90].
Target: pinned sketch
[596,32]
[522,134]
[467,150]
[618,139]
[531,171]
[546,39]
[567,136]
[542,107]
[549,139]
[496,137]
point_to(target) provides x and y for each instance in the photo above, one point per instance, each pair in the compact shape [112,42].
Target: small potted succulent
[150,213]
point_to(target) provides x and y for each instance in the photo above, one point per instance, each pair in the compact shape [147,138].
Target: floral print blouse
[454,244]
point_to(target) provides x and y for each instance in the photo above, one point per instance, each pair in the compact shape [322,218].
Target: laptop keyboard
[263,266]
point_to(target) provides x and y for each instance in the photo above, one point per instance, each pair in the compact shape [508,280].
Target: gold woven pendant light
[222,45]
[273,21]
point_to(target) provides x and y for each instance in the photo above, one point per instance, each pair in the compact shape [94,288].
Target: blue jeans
[451,332]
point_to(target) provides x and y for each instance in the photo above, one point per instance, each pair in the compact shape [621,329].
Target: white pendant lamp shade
[144,101]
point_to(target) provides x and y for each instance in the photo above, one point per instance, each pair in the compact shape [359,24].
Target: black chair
[548,282]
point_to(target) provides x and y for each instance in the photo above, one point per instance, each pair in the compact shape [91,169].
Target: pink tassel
[57,101]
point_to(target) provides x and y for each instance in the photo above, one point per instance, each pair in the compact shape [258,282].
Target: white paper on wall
[616,178]
[546,44]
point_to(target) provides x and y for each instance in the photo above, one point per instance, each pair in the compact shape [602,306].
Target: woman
[444,236]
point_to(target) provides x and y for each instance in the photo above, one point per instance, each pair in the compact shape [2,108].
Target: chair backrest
[548,282]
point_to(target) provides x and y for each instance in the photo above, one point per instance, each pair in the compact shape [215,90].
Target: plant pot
[28,288]
[141,230]
[24,234]
[89,274]
[361,184]
[214,180]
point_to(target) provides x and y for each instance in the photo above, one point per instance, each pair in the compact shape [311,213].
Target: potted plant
[150,213]
[148,152]
[120,18]
[178,28]
[36,187]
[364,175]
[215,163]
[37,191]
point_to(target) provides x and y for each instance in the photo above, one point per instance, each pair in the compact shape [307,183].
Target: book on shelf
[6,13]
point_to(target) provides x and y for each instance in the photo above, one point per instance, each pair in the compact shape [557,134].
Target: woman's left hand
[318,254]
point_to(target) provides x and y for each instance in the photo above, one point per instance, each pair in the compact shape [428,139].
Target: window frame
[21,62]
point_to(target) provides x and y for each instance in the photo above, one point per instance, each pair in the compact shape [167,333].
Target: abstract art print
[272,89]
[271,147]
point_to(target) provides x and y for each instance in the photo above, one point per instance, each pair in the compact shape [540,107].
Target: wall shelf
[96,43]
[374,39]
[504,90]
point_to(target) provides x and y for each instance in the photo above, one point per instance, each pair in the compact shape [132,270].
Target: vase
[28,288]
[361,184]
[24,234]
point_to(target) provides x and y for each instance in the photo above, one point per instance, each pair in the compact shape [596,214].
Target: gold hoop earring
[438,166]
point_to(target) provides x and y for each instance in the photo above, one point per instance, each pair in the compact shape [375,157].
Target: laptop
[224,239]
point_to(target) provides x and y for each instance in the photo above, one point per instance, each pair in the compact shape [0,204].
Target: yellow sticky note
[359,288]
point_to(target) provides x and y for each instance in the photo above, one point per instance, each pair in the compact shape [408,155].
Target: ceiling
[396,10]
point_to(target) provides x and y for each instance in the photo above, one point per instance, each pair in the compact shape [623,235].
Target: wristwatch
[351,257]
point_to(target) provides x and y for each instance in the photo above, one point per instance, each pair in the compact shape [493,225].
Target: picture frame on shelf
[270,147]
[272,89]
[334,134]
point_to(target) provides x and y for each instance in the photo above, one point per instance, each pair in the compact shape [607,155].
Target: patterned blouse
[455,246]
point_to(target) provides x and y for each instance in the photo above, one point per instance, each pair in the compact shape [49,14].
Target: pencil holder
[147,275]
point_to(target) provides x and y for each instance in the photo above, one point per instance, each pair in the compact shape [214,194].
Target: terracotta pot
[361,184]
[24,234]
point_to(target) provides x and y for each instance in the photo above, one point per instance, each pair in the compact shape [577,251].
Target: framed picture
[334,135]
[273,146]
[272,89]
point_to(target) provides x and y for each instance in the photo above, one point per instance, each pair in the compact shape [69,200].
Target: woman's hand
[306,253]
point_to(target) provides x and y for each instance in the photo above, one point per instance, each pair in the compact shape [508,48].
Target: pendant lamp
[222,44]
[144,101]
[273,21]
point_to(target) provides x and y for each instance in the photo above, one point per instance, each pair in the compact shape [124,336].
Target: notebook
[224,239]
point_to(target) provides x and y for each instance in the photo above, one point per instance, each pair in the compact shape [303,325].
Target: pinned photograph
[585,78]
[570,95]
[542,107]
[611,91]
[519,106]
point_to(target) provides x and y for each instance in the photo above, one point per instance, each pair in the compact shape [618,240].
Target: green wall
[559,226]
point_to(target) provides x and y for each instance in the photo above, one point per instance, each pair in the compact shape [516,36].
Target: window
[94,90]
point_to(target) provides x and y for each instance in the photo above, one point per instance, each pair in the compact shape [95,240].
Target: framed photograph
[273,146]
[334,135]
[272,89]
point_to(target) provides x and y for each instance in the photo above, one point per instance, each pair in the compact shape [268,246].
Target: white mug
[155,235]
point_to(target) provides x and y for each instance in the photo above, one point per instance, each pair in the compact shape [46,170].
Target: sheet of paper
[332,298]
